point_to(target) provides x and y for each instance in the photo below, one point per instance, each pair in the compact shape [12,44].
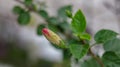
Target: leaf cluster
[76,37]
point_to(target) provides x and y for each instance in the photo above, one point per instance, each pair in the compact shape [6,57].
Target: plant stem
[29,7]
[94,56]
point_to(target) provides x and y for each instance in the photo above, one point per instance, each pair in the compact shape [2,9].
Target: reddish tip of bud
[45,31]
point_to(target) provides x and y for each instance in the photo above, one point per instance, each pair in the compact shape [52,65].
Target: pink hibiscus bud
[53,38]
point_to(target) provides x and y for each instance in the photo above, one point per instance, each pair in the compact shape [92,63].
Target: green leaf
[24,18]
[18,10]
[52,20]
[28,2]
[64,26]
[78,22]
[66,54]
[39,29]
[85,36]
[73,41]
[43,13]
[112,45]
[104,35]
[90,63]
[111,59]
[52,27]
[78,51]
[62,12]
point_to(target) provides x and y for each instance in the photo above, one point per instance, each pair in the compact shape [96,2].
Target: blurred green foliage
[111,59]
[90,63]
[104,35]
[15,56]
[39,29]
[24,18]
[78,50]
[74,34]
[57,24]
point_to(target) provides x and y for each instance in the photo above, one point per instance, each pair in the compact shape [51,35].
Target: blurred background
[21,46]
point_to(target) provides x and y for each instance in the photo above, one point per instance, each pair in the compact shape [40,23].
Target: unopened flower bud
[69,14]
[52,37]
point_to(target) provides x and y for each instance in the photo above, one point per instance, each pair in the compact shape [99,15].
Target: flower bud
[69,14]
[52,37]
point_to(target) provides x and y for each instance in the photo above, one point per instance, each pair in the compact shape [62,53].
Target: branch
[29,8]
[94,56]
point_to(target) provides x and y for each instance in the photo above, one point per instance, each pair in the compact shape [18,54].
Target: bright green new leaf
[78,51]
[39,29]
[111,59]
[112,45]
[85,36]
[104,35]
[43,13]
[78,22]
[62,12]
[18,10]
[24,18]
